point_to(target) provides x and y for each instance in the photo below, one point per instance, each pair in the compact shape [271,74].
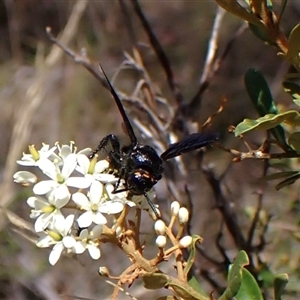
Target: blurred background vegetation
[69,104]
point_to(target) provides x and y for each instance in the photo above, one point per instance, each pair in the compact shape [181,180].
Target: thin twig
[212,46]
[120,288]
[194,104]
[254,221]
[69,31]
[257,154]
[222,204]
[81,59]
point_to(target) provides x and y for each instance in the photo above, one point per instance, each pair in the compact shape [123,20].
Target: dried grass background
[46,97]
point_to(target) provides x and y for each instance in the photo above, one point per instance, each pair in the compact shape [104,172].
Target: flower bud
[183,215]
[103,271]
[160,227]
[175,208]
[25,178]
[161,241]
[185,241]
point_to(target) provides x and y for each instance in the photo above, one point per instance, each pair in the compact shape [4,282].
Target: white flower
[89,241]
[25,178]
[60,178]
[59,236]
[91,206]
[65,150]
[116,201]
[36,156]
[45,210]
[112,195]
[95,205]
[94,170]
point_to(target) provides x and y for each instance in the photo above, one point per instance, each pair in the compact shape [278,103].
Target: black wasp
[139,165]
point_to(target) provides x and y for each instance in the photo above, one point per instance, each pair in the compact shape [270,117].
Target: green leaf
[155,281]
[293,89]
[279,135]
[294,46]
[260,33]
[235,8]
[280,175]
[190,262]
[266,276]
[194,284]
[280,282]
[288,181]
[260,95]
[249,288]
[183,290]
[240,261]
[259,92]
[268,121]
[297,101]
[191,259]
[235,276]
[294,141]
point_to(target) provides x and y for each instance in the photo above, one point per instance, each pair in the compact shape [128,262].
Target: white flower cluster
[79,186]
[182,215]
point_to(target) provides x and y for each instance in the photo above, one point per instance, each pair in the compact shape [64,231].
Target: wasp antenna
[127,123]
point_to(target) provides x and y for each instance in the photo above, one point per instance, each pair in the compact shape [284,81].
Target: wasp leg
[115,144]
[151,204]
[116,191]
[114,156]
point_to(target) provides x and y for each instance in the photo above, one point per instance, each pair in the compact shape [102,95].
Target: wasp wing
[127,123]
[189,143]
